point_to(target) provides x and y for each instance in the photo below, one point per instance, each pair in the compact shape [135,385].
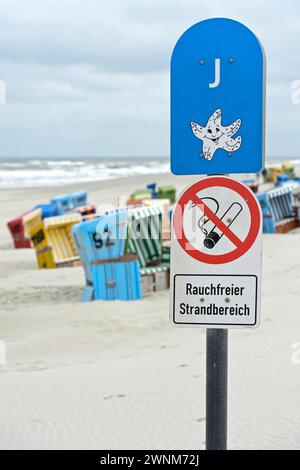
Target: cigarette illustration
[227,218]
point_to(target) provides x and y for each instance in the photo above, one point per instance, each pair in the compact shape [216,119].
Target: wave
[34,172]
[20,173]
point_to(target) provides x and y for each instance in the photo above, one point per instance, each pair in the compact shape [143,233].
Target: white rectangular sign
[216,256]
[228,300]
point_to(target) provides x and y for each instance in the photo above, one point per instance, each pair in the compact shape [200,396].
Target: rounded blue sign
[217,100]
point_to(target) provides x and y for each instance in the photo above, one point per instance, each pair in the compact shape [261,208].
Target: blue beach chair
[117,279]
[79,198]
[268,221]
[63,202]
[100,239]
[277,209]
[282,179]
[152,187]
[49,210]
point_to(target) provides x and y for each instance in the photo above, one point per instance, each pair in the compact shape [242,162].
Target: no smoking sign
[216,255]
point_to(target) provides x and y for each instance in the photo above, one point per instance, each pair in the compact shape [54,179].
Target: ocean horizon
[26,172]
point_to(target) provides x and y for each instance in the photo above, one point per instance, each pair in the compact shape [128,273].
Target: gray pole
[216,388]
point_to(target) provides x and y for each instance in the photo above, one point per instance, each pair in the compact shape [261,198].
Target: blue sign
[217,100]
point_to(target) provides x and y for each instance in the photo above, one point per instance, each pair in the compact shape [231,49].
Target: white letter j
[217,74]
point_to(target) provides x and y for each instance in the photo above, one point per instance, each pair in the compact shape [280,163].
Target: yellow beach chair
[53,241]
[58,233]
[30,220]
[288,169]
[273,172]
[42,246]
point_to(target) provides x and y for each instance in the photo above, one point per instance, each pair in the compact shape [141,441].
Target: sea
[38,172]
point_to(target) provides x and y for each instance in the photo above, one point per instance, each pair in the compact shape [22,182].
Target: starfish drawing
[215,136]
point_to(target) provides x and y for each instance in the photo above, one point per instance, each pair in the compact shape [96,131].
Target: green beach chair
[145,234]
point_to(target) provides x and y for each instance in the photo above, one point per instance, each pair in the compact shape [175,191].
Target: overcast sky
[91,77]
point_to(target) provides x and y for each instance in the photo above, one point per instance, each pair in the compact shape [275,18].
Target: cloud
[92,78]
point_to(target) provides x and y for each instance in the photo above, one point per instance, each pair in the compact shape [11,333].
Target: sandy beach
[115,375]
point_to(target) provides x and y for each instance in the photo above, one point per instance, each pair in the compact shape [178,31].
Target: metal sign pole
[216,388]
[217,111]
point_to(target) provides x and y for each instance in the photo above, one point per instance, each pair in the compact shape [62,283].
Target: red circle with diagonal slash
[242,246]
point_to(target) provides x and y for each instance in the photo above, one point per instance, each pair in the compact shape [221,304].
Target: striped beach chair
[288,168]
[79,198]
[49,210]
[282,180]
[44,253]
[30,220]
[18,233]
[167,191]
[277,209]
[166,250]
[100,239]
[165,204]
[62,202]
[117,279]
[145,234]
[89,209]
[154,279]
[60,239]
[296,201]
[273,172]
[111,274]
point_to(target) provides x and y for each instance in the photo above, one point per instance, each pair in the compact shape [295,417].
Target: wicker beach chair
[145,234]
[17,231]
[79,198]
[101,239]
[279,215]
[59,235]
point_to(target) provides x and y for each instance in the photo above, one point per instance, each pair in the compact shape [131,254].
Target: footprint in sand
[109,397]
